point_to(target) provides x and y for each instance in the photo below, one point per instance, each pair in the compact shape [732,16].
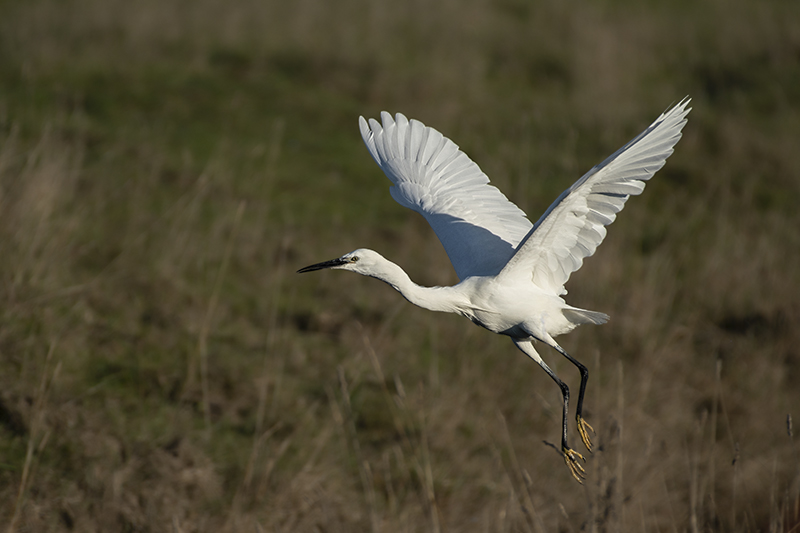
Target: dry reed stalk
[430,493]
[397,406]
[715,401]
[520,483]
[202,341]
[176,525]
[391,404]
[619,486]
[796,482]
[259,437]
[37,423]
[668,498]
[364,470]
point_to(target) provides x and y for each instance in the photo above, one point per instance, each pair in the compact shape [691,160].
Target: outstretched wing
[574,225]
[477,225]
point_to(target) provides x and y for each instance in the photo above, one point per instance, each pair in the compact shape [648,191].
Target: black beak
[324,264]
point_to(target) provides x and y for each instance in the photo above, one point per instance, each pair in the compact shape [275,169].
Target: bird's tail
[583,316]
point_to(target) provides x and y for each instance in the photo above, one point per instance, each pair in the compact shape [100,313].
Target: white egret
[512,273]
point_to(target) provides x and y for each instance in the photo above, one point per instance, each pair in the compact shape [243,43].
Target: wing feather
[477,225]
[574,225]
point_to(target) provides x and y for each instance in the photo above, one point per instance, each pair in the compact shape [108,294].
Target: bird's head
[362,261]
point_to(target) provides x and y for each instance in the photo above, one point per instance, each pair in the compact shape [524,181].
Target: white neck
[445,299]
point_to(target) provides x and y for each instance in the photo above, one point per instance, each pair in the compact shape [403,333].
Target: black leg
[565,409]
[571,457]
[582,424]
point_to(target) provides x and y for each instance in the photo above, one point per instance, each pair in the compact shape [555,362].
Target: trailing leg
[570,456]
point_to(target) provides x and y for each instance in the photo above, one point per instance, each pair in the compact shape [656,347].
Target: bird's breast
[518,311]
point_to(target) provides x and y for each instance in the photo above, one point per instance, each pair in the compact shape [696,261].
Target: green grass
[165,167]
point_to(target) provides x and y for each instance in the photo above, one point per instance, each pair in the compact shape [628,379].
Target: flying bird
[512,273]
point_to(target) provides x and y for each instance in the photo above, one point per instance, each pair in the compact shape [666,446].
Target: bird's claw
[582,426]
[575,468]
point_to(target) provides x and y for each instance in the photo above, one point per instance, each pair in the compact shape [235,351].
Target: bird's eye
[353,259]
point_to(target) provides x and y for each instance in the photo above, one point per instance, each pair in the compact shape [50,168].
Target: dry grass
[166,166]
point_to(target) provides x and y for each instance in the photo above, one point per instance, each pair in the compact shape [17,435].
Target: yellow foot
[582,426]
[571,458]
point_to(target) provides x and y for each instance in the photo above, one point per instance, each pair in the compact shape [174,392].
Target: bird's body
[512,272]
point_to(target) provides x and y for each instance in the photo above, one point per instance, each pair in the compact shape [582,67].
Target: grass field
[166,166]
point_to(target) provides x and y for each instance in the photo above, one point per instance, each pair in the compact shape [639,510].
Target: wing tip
[679,110]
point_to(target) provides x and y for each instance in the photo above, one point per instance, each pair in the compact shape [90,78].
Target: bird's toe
[583,425]
[575,468]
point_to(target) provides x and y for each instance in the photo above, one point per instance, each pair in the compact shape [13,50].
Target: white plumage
[475,222]
[512,272]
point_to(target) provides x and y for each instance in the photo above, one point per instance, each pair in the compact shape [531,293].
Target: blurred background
[166,167]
